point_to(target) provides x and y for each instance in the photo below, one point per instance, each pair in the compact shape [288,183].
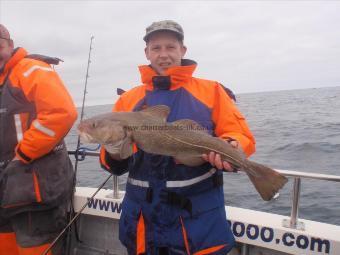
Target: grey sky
[247,45]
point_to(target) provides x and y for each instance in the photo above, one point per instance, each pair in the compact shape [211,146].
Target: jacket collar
[18,54]
[179,75]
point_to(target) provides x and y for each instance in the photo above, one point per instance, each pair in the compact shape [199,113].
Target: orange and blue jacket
[168,204]
[36,111]
[203,101]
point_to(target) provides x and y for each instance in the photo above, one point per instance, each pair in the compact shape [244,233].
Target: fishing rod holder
[116,193]
[80,155]
[294,214]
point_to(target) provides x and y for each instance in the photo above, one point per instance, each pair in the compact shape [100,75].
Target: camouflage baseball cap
[164,25]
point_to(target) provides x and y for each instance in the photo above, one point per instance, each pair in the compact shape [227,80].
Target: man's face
[6,49]
[164,50]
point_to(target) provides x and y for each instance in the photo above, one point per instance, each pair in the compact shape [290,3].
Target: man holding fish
[174,202]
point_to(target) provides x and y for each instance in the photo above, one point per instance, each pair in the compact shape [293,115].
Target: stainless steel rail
[298,175]
[294,214]
[316,176]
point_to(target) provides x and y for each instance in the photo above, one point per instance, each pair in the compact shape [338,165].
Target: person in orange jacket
[170,208]
[36,174]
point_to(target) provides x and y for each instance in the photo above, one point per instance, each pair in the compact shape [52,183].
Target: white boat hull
[255,231]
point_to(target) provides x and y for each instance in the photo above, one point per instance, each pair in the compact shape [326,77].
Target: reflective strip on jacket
[168,204]
[36,112]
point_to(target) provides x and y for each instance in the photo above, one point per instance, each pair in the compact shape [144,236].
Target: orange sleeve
[55,110]
[230,123]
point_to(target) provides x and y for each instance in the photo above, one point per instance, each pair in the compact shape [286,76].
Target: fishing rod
[83,104]
[75,217]
[68,239]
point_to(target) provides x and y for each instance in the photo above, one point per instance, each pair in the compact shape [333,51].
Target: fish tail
[266,180]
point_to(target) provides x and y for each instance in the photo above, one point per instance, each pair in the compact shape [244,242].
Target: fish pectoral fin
[159,111]
[189,125]
[112,149]
[190,160]
[267,181]
[86,138]
[126,148]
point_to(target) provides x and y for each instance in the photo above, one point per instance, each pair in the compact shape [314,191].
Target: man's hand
[215,159]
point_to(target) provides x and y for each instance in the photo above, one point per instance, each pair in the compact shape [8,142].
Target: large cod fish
[185,140]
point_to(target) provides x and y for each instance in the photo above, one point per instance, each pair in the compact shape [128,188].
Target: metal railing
[297,175]
[316,176]
[288,223]
[294,214]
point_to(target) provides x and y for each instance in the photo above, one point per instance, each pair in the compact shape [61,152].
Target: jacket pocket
[203,202]
[55,177]
[19,186]
[206,231]
[42,184]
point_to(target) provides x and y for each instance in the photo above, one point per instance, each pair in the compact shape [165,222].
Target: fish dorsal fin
[159,111]
[190,125]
